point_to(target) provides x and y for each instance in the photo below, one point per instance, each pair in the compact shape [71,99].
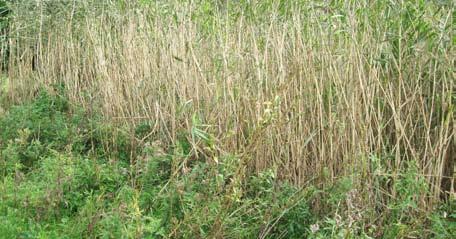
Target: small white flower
[314,228]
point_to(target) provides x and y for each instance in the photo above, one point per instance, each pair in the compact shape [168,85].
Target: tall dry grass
[316,90]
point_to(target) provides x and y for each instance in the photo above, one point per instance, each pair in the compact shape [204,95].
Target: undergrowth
[68,174]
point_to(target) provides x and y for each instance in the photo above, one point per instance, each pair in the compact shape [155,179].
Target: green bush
[54,163]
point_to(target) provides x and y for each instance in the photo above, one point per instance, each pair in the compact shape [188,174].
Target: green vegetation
[4,15]
[65,174]
[227,119]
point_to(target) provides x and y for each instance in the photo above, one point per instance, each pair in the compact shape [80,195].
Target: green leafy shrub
[52,164]
[443,221]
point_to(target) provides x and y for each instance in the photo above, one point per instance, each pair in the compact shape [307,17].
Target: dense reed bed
[318,91]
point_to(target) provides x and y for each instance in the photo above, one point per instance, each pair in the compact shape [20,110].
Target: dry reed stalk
[308,95]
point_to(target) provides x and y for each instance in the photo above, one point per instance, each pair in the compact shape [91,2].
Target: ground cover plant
[227,119]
